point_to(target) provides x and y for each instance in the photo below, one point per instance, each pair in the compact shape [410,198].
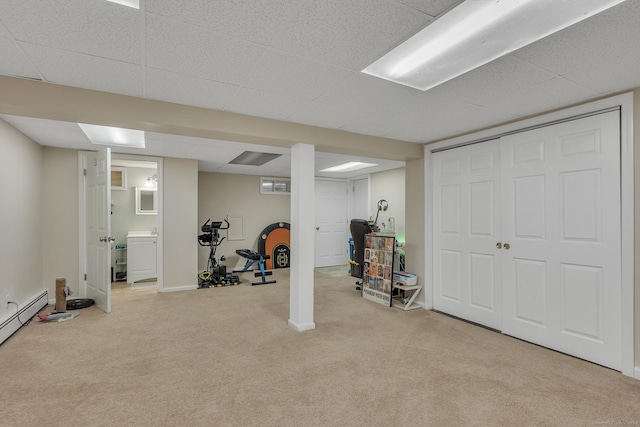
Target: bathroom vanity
[142,261]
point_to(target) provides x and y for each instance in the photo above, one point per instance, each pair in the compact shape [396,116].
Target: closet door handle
[499,245]
[507,246]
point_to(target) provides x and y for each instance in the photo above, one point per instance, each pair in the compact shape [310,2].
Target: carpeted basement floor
[226,357]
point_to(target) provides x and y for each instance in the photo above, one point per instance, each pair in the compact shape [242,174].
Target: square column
[302,237]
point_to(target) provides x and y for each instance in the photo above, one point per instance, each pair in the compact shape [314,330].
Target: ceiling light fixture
[119,137]
[349,167]
[129,3]
[477,32]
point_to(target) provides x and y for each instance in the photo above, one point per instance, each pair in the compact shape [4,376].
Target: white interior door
[332,231]
[360,199]
[561,220]
[98,224]
[466,230]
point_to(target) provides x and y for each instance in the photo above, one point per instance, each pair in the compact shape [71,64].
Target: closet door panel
[466,231]
[561,211]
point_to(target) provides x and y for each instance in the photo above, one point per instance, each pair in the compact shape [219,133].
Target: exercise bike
[216,274]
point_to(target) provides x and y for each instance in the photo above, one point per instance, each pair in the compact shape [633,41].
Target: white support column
[302,237]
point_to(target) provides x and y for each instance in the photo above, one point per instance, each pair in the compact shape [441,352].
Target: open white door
[98,224]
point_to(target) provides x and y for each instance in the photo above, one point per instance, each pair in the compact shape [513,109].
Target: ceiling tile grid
[256,21]
[182,89]
[183,49]
[596,40]
[13,61]
[295,76]
[431,7]
[86,71]
[548,95]
[97,28]
[350,34]
[265,104]
[327,116]
[500,77]
[621,72]
[300,61]
[365,93]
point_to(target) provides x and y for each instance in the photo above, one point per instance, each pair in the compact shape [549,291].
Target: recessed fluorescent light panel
[130,3]
[252,158]
[119,137]
[475,33]
[349,167]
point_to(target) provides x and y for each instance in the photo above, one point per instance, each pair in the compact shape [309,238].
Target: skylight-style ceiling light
[130,3]
[475,33]
[348,167]
[107,135]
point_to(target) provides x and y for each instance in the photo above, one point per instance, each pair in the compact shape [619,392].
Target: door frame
[625,103]
[82,238]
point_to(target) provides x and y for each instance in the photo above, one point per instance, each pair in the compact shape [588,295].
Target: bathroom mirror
[146,201]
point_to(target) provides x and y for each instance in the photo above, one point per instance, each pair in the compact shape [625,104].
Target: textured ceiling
[299,61]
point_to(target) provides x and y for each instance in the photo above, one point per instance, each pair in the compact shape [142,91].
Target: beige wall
[20,218]
[220,195]
[415,219]
[180,228]
[390,186]
[60,218]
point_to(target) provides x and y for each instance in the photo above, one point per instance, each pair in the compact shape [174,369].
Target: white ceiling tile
[295,76]
[431,7]
[596,40]
[98,28]
[3,29]
[256,21]
[182,49]
[90,72]
[475,117]
[13,62]
[543,97]
[326,116]
[171,87]
[365,93]
[350,34]
[622,74]
[421,107]
[265,104]
[368,125]
[500,77]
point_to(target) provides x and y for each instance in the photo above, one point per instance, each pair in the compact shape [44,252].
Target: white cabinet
[141,256]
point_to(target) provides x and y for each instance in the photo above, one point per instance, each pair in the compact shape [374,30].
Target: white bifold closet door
[467,264]
[556,200]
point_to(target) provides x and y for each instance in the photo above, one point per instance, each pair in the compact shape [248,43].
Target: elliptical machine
[216,274]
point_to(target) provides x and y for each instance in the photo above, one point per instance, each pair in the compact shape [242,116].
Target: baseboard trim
[179,288]
[636,373]
[26,312]
[302,327]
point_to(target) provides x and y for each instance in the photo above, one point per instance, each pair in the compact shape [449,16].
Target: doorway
[127,200]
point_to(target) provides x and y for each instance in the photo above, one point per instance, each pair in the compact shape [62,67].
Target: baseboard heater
[26,312]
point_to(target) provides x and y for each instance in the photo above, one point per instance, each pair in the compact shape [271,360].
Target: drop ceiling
[298,61]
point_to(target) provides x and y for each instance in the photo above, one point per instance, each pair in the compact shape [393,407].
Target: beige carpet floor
[226,357]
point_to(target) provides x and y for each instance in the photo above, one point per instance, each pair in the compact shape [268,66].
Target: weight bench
[253,257]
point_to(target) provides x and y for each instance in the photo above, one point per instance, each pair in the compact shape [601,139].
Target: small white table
[411,303]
